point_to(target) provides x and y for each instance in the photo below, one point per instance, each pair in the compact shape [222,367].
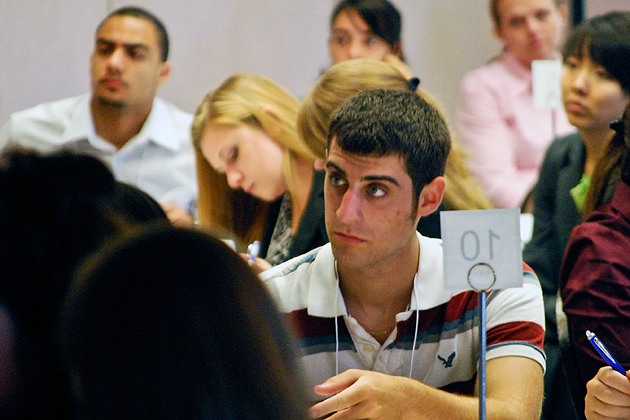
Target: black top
[555,215]
[311,231]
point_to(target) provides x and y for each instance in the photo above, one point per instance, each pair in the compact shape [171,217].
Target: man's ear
[165,71]
[431,196]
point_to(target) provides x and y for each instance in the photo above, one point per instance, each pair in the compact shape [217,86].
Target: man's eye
[104,49]
[336,180]
[376,191]
[542,14]
[516,22]
[137,54]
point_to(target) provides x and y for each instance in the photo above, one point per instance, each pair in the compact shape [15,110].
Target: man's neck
[116,124]
[374,295]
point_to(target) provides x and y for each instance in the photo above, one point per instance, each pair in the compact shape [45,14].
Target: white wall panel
[45,44]
[598,7]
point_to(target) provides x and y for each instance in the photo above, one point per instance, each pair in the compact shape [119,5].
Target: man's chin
[345,252]
[113,103]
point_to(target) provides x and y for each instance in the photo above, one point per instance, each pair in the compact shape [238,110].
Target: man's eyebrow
[127,46]
[137,46]
[104,41]
[381,178]
[333,166]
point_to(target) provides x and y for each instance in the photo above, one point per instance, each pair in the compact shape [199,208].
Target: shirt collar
[516,67]
[429,286]
[323,289]
[157,127]
[80,126]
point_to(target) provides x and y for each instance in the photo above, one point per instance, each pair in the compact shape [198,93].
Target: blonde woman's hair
[252,100]
[348,78]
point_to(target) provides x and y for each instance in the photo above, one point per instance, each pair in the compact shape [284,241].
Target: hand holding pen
[605,353]
[258,264]
[253,250]
[607,394]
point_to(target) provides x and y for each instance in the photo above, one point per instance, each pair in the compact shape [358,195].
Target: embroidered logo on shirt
[448,362]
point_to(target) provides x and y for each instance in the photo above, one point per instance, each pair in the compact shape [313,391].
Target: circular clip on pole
[481,278]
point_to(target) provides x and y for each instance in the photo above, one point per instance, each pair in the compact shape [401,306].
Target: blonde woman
[346,79]
[255,175]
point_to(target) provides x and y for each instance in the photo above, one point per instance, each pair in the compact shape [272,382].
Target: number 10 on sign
[488,237]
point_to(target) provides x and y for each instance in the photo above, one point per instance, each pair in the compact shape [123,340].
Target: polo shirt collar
[429,286]
[323,288]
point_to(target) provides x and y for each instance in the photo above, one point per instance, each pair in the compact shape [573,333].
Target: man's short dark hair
[384,122]
[141,13]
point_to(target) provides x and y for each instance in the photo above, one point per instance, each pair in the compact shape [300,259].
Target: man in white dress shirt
[145,140]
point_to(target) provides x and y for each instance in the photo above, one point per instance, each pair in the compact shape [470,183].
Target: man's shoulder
[290,282]
[44,122]
[54,112]
[295,267]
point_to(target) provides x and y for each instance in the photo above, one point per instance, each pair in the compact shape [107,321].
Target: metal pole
[482,355]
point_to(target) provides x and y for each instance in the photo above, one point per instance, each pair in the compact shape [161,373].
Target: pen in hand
[252,250]
[605,353]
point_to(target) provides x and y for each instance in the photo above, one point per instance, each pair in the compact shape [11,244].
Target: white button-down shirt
[159,159]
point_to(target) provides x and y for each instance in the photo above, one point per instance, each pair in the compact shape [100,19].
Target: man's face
[125,66]
[369,216]
[351,37]
[530,29]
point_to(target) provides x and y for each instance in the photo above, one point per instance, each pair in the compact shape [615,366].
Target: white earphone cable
[336,322]
[415,336]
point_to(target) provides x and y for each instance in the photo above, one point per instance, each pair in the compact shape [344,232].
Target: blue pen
[253,249]
[603,351]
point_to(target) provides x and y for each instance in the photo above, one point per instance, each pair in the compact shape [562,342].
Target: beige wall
[598,7]
[45,44]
